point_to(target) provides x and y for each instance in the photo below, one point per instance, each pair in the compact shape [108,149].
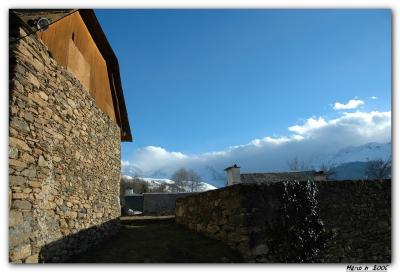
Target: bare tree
[193,181]
[174,188]
[162,188]
[379,169]
[186,180]
[180,177]
[296,165]
[136,184]
[328,169]
[293,164]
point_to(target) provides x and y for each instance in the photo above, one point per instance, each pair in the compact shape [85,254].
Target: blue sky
[198,81]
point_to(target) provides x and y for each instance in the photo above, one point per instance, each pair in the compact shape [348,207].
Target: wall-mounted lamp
[41,24]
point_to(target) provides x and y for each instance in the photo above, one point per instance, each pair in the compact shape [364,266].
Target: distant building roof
[277,177]
[230,167]
[130,192]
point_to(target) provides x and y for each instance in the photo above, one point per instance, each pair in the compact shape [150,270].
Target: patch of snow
[363,153]
[156,182]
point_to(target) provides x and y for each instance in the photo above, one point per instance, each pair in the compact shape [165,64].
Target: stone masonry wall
[64,160]
[358,215]
[225,214]
[250,218]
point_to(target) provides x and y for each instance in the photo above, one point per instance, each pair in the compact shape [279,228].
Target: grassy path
[152,240]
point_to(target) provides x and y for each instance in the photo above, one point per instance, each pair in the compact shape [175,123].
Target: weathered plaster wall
[64,160]
[251,219]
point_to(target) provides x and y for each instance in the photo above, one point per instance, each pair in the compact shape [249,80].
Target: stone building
[67,117]
[235,177]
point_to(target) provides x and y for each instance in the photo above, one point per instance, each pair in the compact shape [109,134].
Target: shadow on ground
[152,240]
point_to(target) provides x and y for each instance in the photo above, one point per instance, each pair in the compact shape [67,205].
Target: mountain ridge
[342,160]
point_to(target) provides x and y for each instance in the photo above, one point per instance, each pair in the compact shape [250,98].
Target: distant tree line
[184,181]
[379,169]
[139,186]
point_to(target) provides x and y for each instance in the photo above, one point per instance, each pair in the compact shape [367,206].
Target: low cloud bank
[311,142]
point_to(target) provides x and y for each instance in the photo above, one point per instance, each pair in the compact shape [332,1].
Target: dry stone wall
[352,219]
[227,214]
[358,216]
[64,160]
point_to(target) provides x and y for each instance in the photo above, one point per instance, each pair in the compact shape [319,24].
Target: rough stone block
[20,252]
[32,259]
[19,124]
[19,143]
[261,249]
[19,234]
[27,158]
[14,218]
[13,152]
[29,172]
[16,180]
[21,204]
[34,80]
[42,162]
[17,163]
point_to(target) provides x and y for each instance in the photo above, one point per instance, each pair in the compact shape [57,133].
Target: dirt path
[153,240]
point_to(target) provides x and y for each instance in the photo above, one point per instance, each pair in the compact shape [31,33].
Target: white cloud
[311,141]
[351,104]
[309,125]
[374,97]
[125,163]
[153,157]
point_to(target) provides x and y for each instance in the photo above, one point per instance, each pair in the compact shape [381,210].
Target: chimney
[233,175]
[320,176]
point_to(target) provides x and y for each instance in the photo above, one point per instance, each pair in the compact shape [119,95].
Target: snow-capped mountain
[352,162]
[362,153]
[349,163]
[156,182]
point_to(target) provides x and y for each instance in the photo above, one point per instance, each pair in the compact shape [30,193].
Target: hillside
[154,183]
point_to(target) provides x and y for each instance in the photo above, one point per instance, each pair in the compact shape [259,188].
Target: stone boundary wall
[64,160]
[132,202]
[161,203]
[358,216]
[248,217]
